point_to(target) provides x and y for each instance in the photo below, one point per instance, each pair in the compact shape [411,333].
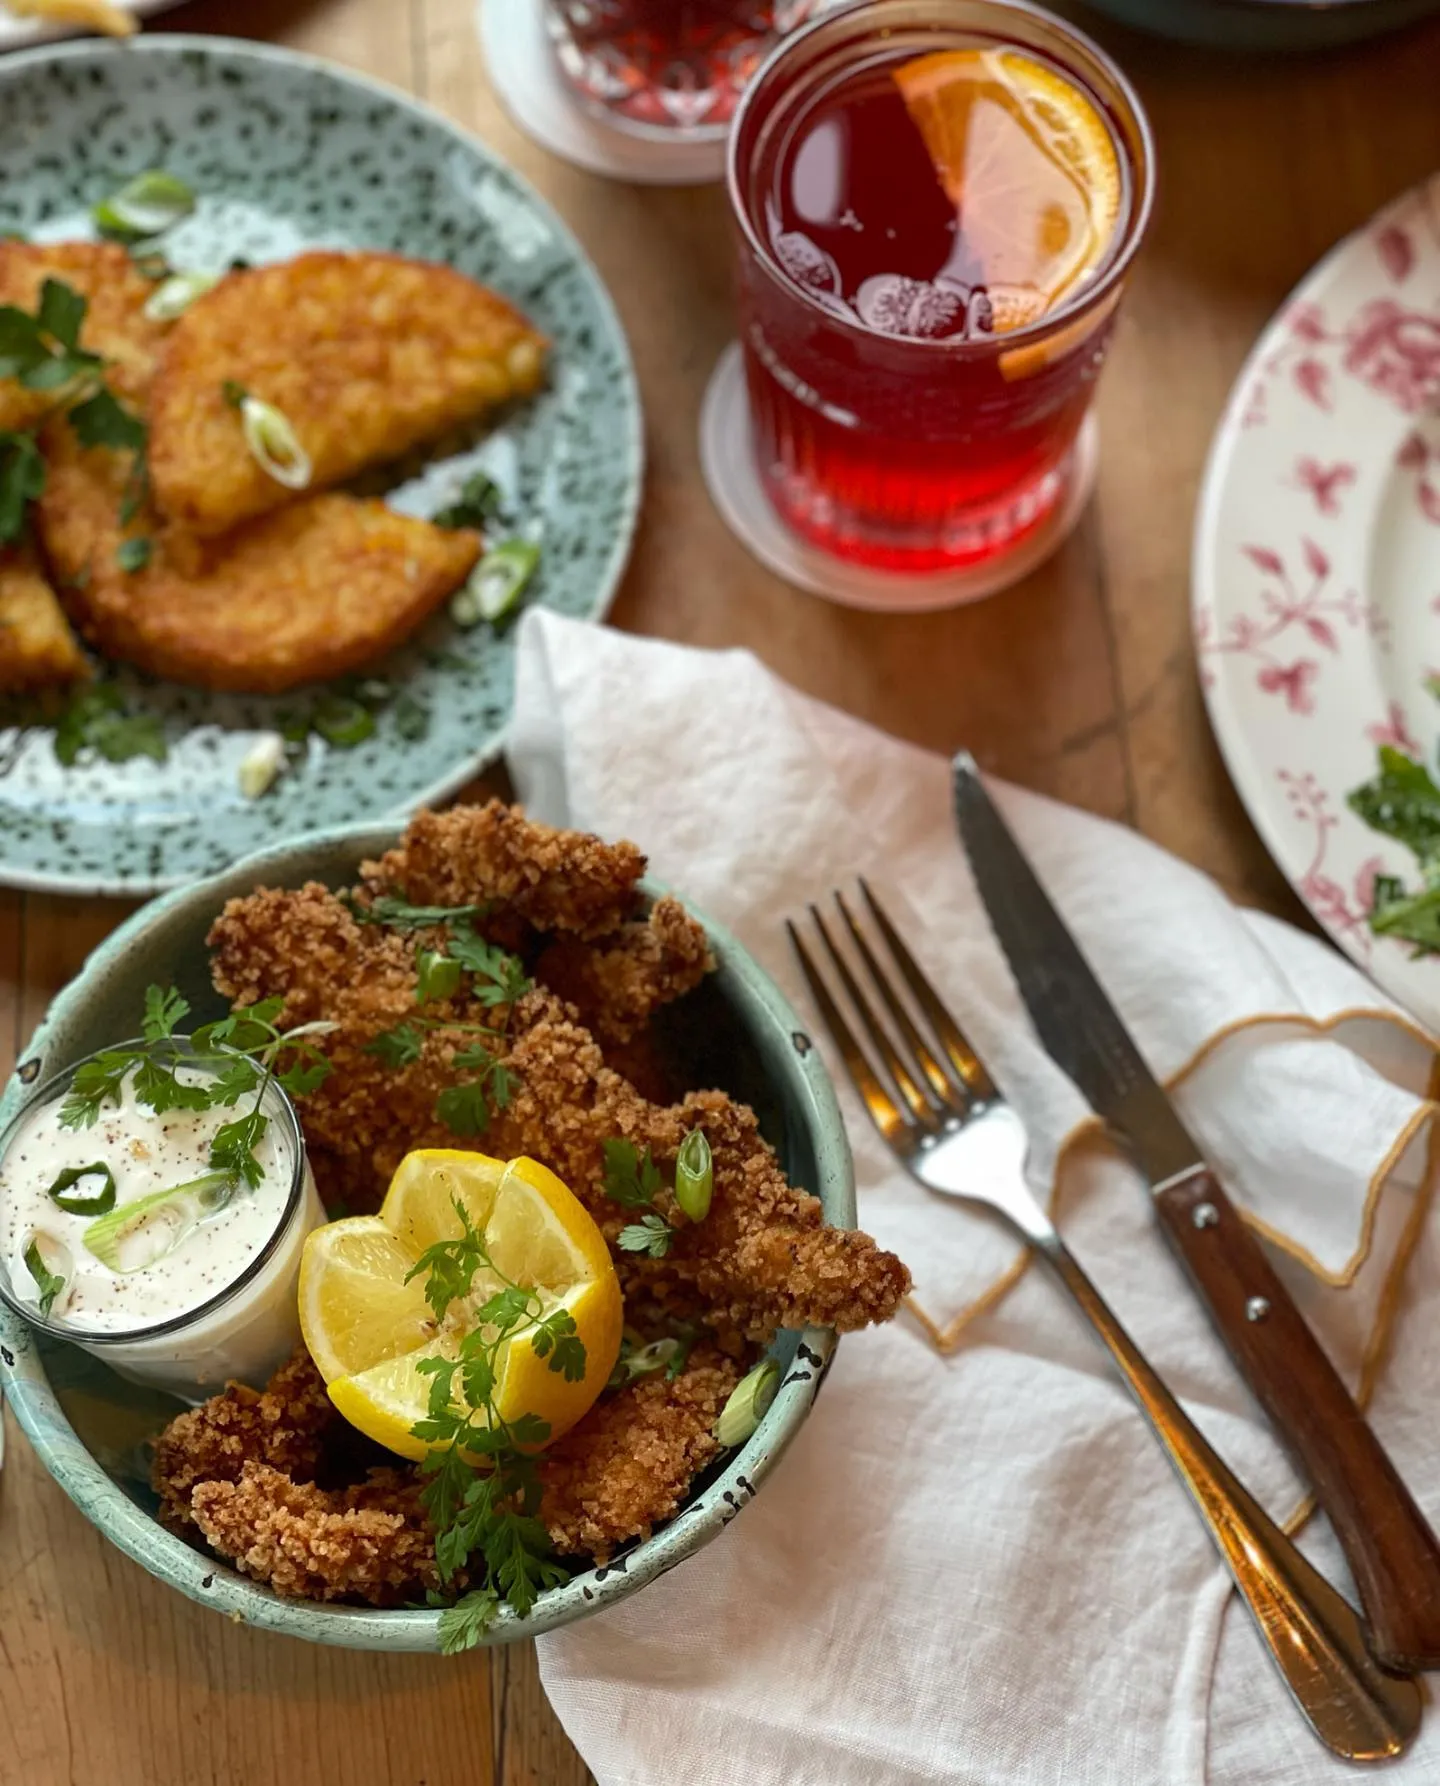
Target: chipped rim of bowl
[808,1095]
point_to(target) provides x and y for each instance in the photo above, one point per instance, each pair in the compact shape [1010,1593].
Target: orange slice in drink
[1029,165]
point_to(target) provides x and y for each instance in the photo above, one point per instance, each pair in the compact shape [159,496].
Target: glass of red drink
[662,67]
[938,202]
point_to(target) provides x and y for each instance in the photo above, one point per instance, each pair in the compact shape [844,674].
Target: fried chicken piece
[367,355]
[37,648]
[370,1542]
[629,1463]
[556,880]
[115,324]
[320,589]
[763,1258]
[619,981]
[283,1427]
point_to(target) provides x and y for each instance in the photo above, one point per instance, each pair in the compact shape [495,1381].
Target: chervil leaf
[233,1149]
[462,1625]
[305,1076]
[464,1109]
[500,977]
[159,1088]
[96,1083]
[652,1235]
[62,312]
[22,479]
[479,500]
[234,1079]
[506,1309]
[631,1180]
[557,1339]
[398,913]
[398,1047]
[164,1008]
[104,421]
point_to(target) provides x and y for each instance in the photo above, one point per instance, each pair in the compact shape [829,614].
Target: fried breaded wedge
[367,355]
[115,325]
[319,589]
[37,648]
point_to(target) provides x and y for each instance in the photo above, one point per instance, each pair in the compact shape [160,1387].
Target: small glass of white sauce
[198,1289]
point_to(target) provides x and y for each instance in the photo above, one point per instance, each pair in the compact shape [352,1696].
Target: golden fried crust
[370,1542]
[321,588]
[115,325]
[555,880]
[763,1258]
[37,648]
[617,982]
[630,1462]
[284,1426]
[367,355]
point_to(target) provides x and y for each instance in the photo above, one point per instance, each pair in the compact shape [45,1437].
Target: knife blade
[1393,1554]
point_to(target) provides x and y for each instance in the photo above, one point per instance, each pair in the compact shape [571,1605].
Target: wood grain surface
[1080,683]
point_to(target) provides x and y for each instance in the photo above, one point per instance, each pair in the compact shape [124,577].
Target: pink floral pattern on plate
[1317,570]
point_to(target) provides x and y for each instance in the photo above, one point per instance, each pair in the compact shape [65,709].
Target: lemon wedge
[368,1330]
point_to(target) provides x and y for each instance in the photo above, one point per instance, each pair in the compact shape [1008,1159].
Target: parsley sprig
[497,979]
[634,1181]
[246,1051]
[482,1489]
[42,352]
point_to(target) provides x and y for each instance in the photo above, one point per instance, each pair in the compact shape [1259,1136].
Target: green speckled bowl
[89,1427]
[286,153]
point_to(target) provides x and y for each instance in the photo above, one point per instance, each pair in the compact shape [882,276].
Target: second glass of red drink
[937,202]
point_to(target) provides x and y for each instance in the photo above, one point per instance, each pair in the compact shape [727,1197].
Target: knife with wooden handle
[1392,1552]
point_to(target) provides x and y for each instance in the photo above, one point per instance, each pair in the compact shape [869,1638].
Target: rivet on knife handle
[1392,1552]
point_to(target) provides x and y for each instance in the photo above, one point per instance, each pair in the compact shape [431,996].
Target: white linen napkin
[974,1564]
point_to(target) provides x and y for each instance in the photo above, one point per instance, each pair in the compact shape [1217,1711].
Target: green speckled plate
[290,153]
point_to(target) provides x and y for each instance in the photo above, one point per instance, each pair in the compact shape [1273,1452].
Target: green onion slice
[635,1361]
[49,1283]
[147,1229]
[694,1176]
[343,722]
[499,580]
[151,202]
[174,296]
[748,1403]
[438,976]
[91,1202]
[274,445]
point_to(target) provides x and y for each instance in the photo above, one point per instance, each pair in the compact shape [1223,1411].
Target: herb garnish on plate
[483,1487]
[1403,801]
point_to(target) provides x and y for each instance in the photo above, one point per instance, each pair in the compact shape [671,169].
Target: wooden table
[1080,682]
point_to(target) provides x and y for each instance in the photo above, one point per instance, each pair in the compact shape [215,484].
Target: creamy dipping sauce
[145,1153]
[162,1301]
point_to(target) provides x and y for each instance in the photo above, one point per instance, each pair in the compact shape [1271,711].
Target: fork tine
[885,1113]
[941,1085]
[947,1032]
[912,1095]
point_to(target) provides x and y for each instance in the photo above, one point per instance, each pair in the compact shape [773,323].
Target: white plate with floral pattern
[1316,576]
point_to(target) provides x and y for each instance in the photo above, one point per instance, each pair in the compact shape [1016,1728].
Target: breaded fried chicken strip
[370,1542]
[555,880]
[283,1426]
[762,1259]
[366,355]
[618,982]
[630,1462]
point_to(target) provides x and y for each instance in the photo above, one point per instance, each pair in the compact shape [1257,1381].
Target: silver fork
[937,1107]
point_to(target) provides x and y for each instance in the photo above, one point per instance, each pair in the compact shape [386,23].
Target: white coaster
[727,460]
[532,89]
